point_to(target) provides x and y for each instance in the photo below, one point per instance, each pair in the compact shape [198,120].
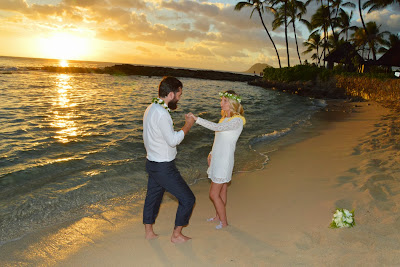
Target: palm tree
[296,10]
[314,42]
[365,29]
[360,40]
[320,20]
[258,6]
[343,21]
[373,5]
[341,17]
[387,44]
[337,6]
[281,16]
[374,38]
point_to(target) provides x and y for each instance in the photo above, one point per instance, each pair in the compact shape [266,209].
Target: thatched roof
[344,54]
[391,57]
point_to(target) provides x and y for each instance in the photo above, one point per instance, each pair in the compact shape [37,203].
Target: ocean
[71,144]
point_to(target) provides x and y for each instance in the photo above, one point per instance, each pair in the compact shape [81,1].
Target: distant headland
[257,68]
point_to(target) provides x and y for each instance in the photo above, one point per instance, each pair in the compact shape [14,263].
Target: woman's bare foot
[213,219]
[179,238]
[221,225]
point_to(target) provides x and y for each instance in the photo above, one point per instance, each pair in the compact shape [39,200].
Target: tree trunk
[272,41]
[286,37]
[330,23]
[295,38]
[365,29]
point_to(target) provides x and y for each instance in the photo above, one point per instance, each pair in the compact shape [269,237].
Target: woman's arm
[233,124]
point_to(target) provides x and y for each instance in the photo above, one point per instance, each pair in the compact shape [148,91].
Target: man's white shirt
[160,138]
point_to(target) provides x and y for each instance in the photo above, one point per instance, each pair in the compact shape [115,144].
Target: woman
[221,157]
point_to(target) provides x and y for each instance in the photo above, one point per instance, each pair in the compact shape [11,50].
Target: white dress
[227,133]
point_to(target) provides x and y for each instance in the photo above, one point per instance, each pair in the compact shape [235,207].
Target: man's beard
[173,104]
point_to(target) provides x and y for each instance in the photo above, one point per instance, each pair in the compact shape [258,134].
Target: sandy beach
[278,216]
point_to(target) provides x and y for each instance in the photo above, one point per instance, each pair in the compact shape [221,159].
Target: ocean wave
[271,136]
[319,103]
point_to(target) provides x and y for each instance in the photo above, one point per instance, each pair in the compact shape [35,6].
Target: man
[160,141]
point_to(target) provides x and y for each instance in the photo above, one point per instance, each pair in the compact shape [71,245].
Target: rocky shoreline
[128,69]
[315,89]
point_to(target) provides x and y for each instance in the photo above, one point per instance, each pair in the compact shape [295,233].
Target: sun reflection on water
[63,114]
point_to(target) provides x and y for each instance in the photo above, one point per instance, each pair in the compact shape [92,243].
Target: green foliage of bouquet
[343,219]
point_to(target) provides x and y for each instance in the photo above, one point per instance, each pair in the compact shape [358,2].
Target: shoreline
[306,180]
[129,69]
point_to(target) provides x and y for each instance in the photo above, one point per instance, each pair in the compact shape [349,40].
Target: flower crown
[231,96]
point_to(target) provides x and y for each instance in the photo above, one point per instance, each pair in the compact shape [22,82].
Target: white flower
[347,213]
[342,218]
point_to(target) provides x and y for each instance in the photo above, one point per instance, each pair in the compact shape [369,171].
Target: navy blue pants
[164,176]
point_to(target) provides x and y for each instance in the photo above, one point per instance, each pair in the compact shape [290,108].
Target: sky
[178,33]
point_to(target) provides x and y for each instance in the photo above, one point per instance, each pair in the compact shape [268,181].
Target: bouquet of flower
[343,218]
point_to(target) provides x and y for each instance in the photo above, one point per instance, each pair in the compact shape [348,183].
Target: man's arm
[189,121]
[167,130]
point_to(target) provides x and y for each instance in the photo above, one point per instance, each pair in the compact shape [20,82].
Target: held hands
[191,115]
[189,119]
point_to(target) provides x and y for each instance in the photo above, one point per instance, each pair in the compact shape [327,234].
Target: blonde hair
[234,106]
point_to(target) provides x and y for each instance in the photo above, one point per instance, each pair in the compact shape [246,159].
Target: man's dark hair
[167,85]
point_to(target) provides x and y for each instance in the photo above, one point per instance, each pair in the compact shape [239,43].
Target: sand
[278,216]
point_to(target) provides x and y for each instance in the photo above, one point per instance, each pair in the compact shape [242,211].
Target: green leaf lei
[231,96]
[161,102]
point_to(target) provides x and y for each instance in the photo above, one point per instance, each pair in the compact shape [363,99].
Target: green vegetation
[310,72]
[297,73]
[310,80]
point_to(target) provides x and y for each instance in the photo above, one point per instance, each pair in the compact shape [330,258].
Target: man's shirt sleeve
[172,137]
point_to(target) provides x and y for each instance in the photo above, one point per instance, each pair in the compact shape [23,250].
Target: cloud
[202,25]
[388,19]
[161,35]
[198,51]
[85,3]
[191,7]
[136,4]
[143,49]
[110,34]
[394,22]
[13,5]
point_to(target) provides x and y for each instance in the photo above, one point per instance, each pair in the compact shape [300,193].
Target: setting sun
[63,63]
[65,46]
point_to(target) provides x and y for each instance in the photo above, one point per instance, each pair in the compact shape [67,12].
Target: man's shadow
[253,243]
[155,244]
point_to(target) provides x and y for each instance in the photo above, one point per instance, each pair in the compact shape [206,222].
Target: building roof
[391,57]
[344,53]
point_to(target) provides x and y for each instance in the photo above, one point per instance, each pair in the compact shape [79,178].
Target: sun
[65,46]
[63,63]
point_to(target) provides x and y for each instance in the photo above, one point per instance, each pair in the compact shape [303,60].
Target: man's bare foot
[179,238]
[151,235]
[148,232]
